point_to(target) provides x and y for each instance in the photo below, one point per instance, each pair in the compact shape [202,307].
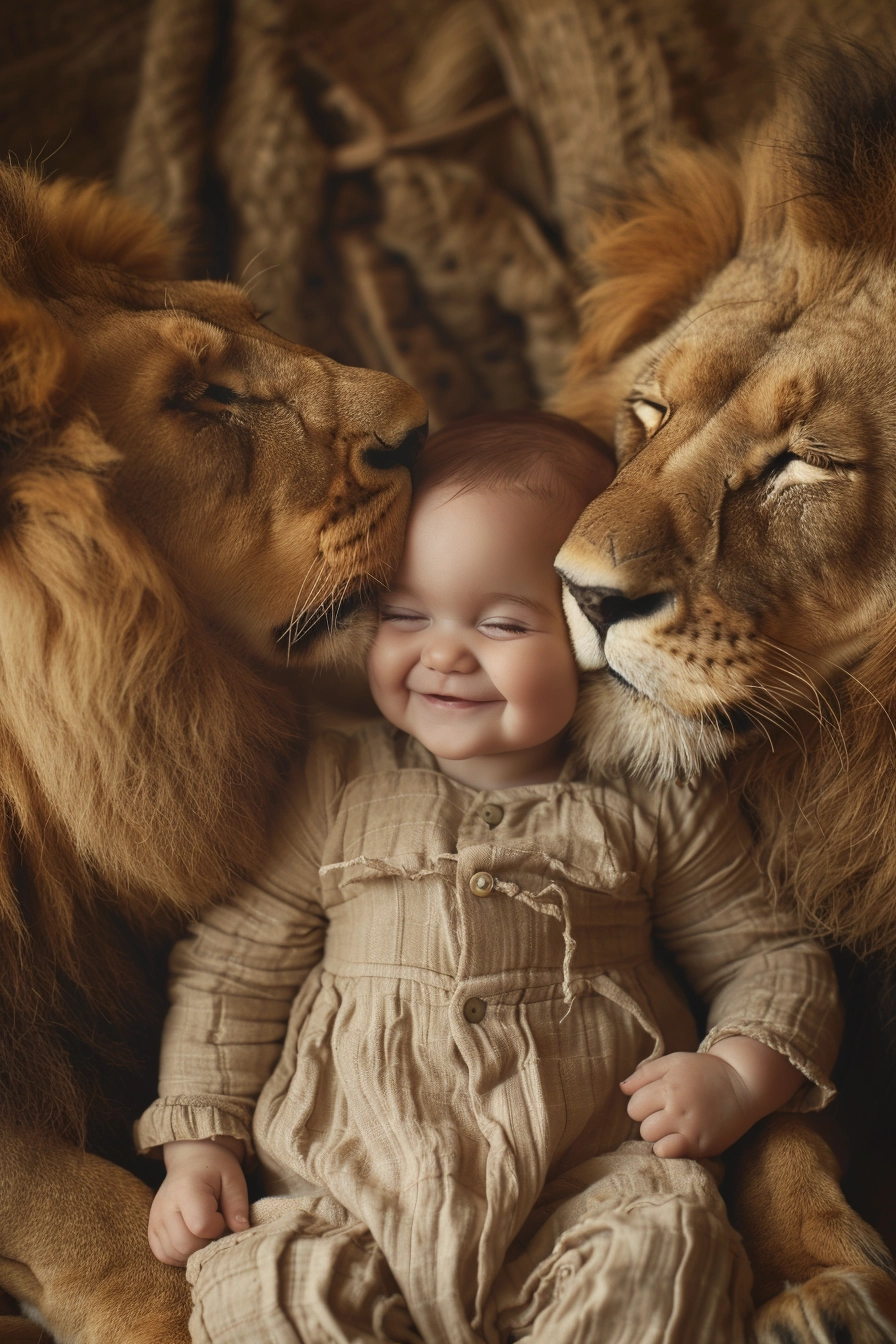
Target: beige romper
[418,1018]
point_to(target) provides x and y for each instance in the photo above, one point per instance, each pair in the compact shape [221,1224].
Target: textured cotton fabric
[429,1077]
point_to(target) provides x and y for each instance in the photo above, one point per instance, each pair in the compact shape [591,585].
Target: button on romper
[417,1019]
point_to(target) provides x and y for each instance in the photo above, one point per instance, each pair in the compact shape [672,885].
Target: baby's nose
[448,655]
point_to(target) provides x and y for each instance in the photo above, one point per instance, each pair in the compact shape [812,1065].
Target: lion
[733,593]
[190,507]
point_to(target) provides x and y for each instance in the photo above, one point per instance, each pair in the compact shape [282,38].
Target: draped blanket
[408,184]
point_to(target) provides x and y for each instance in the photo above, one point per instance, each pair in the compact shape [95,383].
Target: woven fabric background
[406,184]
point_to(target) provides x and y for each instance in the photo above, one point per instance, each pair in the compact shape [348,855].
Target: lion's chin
[335,634]
[619,729]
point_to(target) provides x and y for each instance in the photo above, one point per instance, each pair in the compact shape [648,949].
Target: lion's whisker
[790,725]
[249,263]
[247,284]
[868,691]
[827,714]
[298,626]
[801,671]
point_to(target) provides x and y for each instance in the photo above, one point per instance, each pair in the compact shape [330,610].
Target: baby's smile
[454,701]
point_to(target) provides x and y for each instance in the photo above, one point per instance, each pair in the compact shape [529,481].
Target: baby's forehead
[483,540]
[558,505]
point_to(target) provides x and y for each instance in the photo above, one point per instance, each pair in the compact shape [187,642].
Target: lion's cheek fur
[618,730]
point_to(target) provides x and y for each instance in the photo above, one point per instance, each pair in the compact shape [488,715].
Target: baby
[417,1020]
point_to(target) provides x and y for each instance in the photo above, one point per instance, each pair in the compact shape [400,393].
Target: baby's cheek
[557,692]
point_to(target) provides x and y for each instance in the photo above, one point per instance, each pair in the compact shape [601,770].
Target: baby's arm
[773,1021]
[697,1105]
[203,1195]
[235,976]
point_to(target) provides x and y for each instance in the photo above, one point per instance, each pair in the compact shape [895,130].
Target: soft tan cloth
[418,1138]
[629,1248]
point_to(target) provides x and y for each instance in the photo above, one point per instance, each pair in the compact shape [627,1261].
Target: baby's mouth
[452,701]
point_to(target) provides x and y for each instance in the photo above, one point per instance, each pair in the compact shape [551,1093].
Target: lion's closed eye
[197,395]
[808,467]
[218,392]
[652,414]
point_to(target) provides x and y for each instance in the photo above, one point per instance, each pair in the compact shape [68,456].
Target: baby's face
[472,655]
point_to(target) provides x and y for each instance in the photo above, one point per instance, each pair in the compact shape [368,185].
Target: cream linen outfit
[418,1019]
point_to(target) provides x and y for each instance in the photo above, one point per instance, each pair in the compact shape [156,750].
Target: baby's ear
[39,369]
[650,258]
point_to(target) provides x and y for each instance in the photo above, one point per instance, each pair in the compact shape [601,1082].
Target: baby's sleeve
[235,974]
[743,951]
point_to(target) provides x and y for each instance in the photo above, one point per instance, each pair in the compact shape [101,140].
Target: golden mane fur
[734,592]
[141,730]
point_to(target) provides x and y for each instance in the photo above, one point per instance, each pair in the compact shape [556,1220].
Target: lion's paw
[837,1306]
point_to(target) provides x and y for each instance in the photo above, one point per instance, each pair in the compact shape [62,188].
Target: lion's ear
[97,226]
[39,369]
[650,258]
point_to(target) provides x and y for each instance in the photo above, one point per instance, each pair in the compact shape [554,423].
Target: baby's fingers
[200,1213]
[172,1242]
[657,1126]
[644,1074]
[675,1145]
[647,1100]
[234,1200]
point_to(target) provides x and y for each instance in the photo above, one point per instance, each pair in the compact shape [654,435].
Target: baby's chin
[448,747]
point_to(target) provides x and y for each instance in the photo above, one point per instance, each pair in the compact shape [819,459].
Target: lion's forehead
[755,376]
[254,362]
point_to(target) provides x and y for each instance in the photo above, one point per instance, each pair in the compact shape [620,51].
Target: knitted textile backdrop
[405,184]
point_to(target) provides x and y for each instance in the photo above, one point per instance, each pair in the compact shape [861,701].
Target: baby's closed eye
[499,629]
[400,616]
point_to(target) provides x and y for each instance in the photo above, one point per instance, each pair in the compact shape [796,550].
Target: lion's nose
[403,454]
[607,606]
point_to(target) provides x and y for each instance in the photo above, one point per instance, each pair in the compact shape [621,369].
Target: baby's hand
[693,1105]
[202,1196]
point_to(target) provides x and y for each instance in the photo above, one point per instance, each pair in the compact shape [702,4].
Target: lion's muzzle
[606,606]
[402,454]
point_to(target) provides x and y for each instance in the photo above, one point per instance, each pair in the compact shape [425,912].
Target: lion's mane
[136,751]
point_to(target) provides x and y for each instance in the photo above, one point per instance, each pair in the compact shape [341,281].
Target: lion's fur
[139,741]
[728,259]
